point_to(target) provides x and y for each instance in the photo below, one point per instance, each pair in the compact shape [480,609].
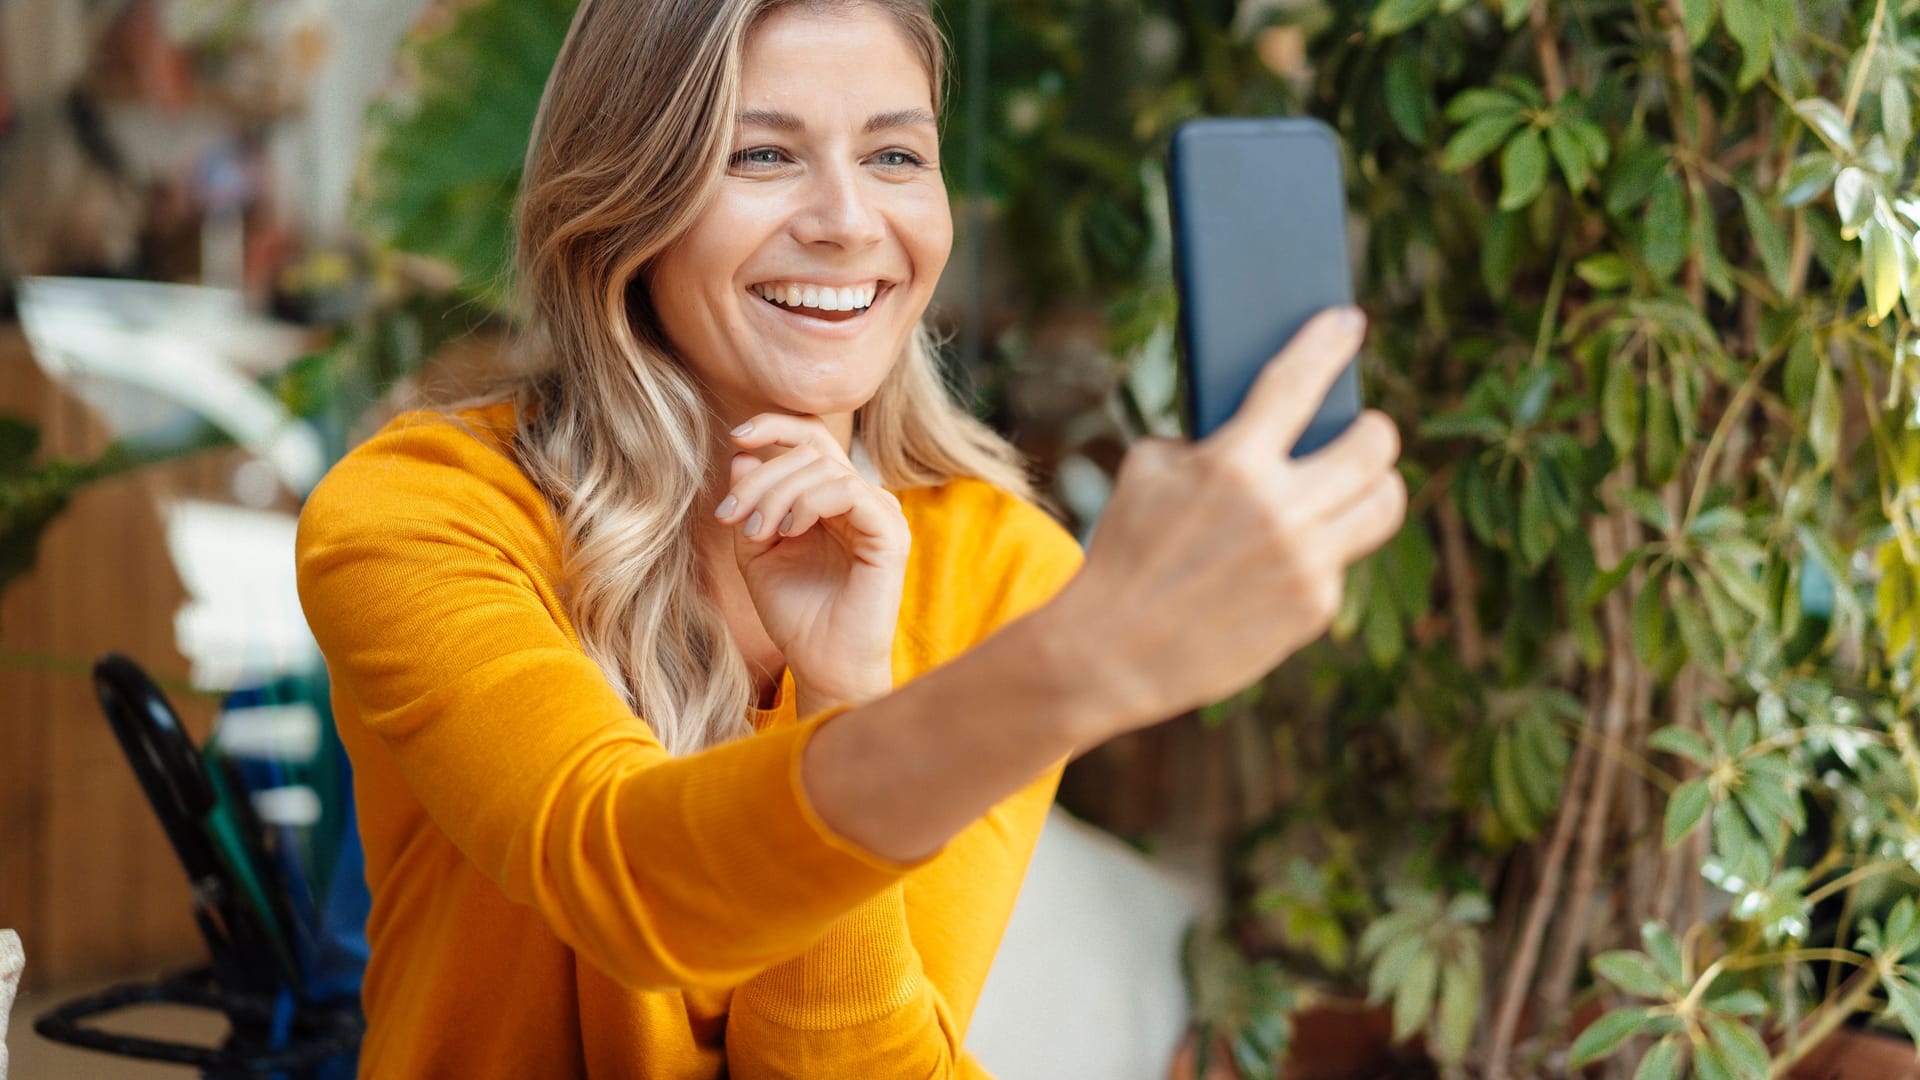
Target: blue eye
[906,159]
[759,155]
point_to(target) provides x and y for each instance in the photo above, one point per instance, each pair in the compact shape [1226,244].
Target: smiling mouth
[822,304]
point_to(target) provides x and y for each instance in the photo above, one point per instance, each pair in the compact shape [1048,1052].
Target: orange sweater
[553,894]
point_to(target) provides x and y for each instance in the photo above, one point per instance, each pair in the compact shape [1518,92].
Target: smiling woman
[707,685]
[730,477]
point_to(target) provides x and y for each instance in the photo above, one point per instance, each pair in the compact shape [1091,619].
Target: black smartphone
[1260,246]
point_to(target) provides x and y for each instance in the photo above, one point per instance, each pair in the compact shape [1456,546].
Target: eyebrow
[787,122]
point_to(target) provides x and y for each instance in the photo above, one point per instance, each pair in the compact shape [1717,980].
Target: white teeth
[823,297]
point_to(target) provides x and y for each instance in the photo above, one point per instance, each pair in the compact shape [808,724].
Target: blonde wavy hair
[630,141]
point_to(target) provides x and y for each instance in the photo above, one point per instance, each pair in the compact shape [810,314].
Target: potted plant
[1624,719]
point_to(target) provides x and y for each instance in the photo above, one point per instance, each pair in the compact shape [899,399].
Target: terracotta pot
[1341,1040]
[1859,1055]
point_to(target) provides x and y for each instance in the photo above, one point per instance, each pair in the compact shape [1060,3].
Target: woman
[706,694]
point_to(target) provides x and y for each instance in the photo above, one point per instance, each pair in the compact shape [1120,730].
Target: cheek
[927,233]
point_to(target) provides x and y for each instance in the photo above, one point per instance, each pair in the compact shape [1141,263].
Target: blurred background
[1609,763]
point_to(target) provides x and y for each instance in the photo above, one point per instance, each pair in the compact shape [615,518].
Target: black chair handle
[318,1032]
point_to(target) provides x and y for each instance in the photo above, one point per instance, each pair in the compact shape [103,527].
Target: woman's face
[799,285]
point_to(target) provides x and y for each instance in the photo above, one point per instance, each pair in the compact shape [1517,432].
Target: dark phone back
[1260,245]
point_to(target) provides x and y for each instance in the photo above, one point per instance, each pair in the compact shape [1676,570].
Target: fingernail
[1353,320]
[753,523]
[726,506]
[786,523]
[742,429]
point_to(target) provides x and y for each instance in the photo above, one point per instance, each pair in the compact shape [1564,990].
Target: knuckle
[1325,596]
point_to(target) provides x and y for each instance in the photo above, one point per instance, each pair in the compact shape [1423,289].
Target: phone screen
[1260,230]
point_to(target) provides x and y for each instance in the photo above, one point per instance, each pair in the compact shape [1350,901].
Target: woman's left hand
[824,555]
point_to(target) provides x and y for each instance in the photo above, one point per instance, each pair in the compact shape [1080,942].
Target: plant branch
[1858,990]
[1547,47]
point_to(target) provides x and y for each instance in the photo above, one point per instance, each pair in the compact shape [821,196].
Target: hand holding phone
[1260,246]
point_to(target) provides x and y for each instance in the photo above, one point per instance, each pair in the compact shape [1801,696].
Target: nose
[839,211]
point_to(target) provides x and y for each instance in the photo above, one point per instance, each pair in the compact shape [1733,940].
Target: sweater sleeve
[890,989]
[417,573]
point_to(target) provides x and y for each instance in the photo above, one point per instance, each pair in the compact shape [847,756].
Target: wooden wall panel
[86,875]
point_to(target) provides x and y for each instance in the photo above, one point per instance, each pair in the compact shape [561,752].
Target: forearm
[902,775]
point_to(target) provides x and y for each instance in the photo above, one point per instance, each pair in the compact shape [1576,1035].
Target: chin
[837,392]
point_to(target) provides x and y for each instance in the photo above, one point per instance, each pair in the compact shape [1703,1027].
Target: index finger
[1288,391]
[789,431]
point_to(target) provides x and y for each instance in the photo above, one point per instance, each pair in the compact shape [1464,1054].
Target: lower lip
[844,328]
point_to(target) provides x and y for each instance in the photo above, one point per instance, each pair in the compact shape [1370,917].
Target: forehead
[806,57]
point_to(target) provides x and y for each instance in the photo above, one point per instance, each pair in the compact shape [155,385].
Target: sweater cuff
[817,825]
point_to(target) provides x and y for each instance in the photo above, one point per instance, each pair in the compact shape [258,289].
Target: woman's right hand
[1214,561]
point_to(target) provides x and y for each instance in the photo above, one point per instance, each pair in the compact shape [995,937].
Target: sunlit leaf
[1608,1034]
[1685,808]
[1523,170]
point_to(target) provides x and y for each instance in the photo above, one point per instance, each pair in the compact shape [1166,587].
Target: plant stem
[1853,877]
[1860,73]
[1859,988]
[1540,907]
[1547,47]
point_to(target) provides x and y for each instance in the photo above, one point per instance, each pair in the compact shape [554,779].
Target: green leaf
[1413,999]
[1803,366]
[1604,271]
[1769,239]
[1620,404]
[1570,155]
[1826,118]
[1662,1062]
[1593,139]
[1664,235]
[1648,508]
[1896,112]
[1903,1001]
[1696,16]
[1395,964]
[1478,139]
[1639,168]
[1394,16]
[1823,423]
[1740,1003]
[1685,808]
[1854,197]
[1709,1063]
[1808,176]
[1680,742]
[1880,266]
[1523,170]
[1608,1034]
[1663,438]
[1633,972]
[1481,100]
[1742,1047]
[1747,21]
[1460,989]
[1665,952]
[1408,101]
